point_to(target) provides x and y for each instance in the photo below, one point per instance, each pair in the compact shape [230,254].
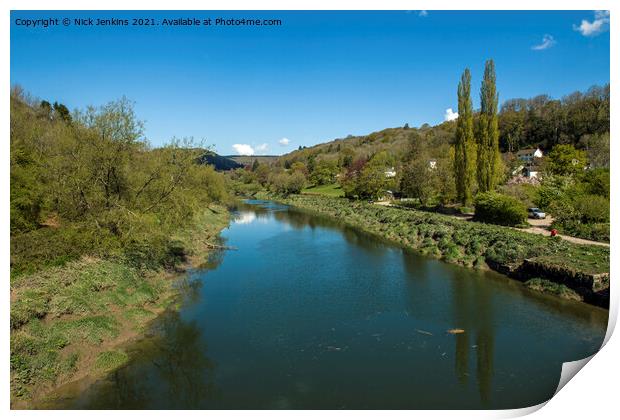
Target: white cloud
[284,141]
[243,149]
[423,13]
[450,115]
[261,148]
[244,218]
[547,42]
[598,25]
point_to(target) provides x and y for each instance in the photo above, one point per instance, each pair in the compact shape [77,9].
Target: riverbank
[520,255]
[72,321]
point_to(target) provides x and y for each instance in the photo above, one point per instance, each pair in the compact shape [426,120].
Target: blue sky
[318,76]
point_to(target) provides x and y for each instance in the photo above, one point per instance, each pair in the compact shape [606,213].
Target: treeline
[89,183]
[545,122]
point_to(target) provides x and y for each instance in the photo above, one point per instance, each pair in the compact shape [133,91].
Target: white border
[591,395]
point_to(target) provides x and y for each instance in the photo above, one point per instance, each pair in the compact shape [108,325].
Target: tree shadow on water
[169,371]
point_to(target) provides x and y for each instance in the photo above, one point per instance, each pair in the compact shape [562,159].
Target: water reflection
[245,217]
[170,370]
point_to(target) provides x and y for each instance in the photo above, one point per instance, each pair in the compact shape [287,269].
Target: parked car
[536,213]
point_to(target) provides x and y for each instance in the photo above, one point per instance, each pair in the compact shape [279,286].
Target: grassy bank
[70,320]
[456,241]
[331,190]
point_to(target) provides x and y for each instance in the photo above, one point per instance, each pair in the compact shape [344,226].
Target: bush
[499,209]
[585,216]
[286,184]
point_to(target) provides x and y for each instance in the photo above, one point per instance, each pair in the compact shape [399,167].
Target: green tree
[564,159]
[324,172]
[597,149]
[420,181]
[299,167]
[62,111]
[262,173]
[464,146]
[285,184]
[489,160]
[371,182]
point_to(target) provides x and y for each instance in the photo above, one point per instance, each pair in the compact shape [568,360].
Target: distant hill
[540,121]
[395,140]
[249,160]
[220,163]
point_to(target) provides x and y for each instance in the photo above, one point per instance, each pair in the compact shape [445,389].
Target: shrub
[582,215]
[286,184]
[499,209]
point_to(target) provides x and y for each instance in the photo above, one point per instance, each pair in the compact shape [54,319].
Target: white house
[528,155]
[531,159]
[432,163]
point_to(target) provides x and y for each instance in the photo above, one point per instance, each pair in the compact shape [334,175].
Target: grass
[585,259]
[71,307]
[110,360]
[68,319]
[331,190]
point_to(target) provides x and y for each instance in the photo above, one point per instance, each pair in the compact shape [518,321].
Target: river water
[306,313]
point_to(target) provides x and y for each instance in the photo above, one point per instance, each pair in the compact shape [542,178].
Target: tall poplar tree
[489,160]
[464,146]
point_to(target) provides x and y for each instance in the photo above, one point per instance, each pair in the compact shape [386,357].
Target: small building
[432,163]
[528,155]
[530,172]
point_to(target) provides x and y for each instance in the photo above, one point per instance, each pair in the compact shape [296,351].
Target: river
[306,313]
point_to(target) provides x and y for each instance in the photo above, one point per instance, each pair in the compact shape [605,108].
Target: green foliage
[579,203]
[262,173]
[464,146]
[525,193]
[288,183]
[325,172]
[580,119]
[499,209]
[92,185]
[582,215]
[489,161]
[596,181]
[110,360]
[420,181]
[367,180]
[371,182]
[564,160]
[62,112]
[596,146]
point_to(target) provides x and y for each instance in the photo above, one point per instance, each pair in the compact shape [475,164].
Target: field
[331,190]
